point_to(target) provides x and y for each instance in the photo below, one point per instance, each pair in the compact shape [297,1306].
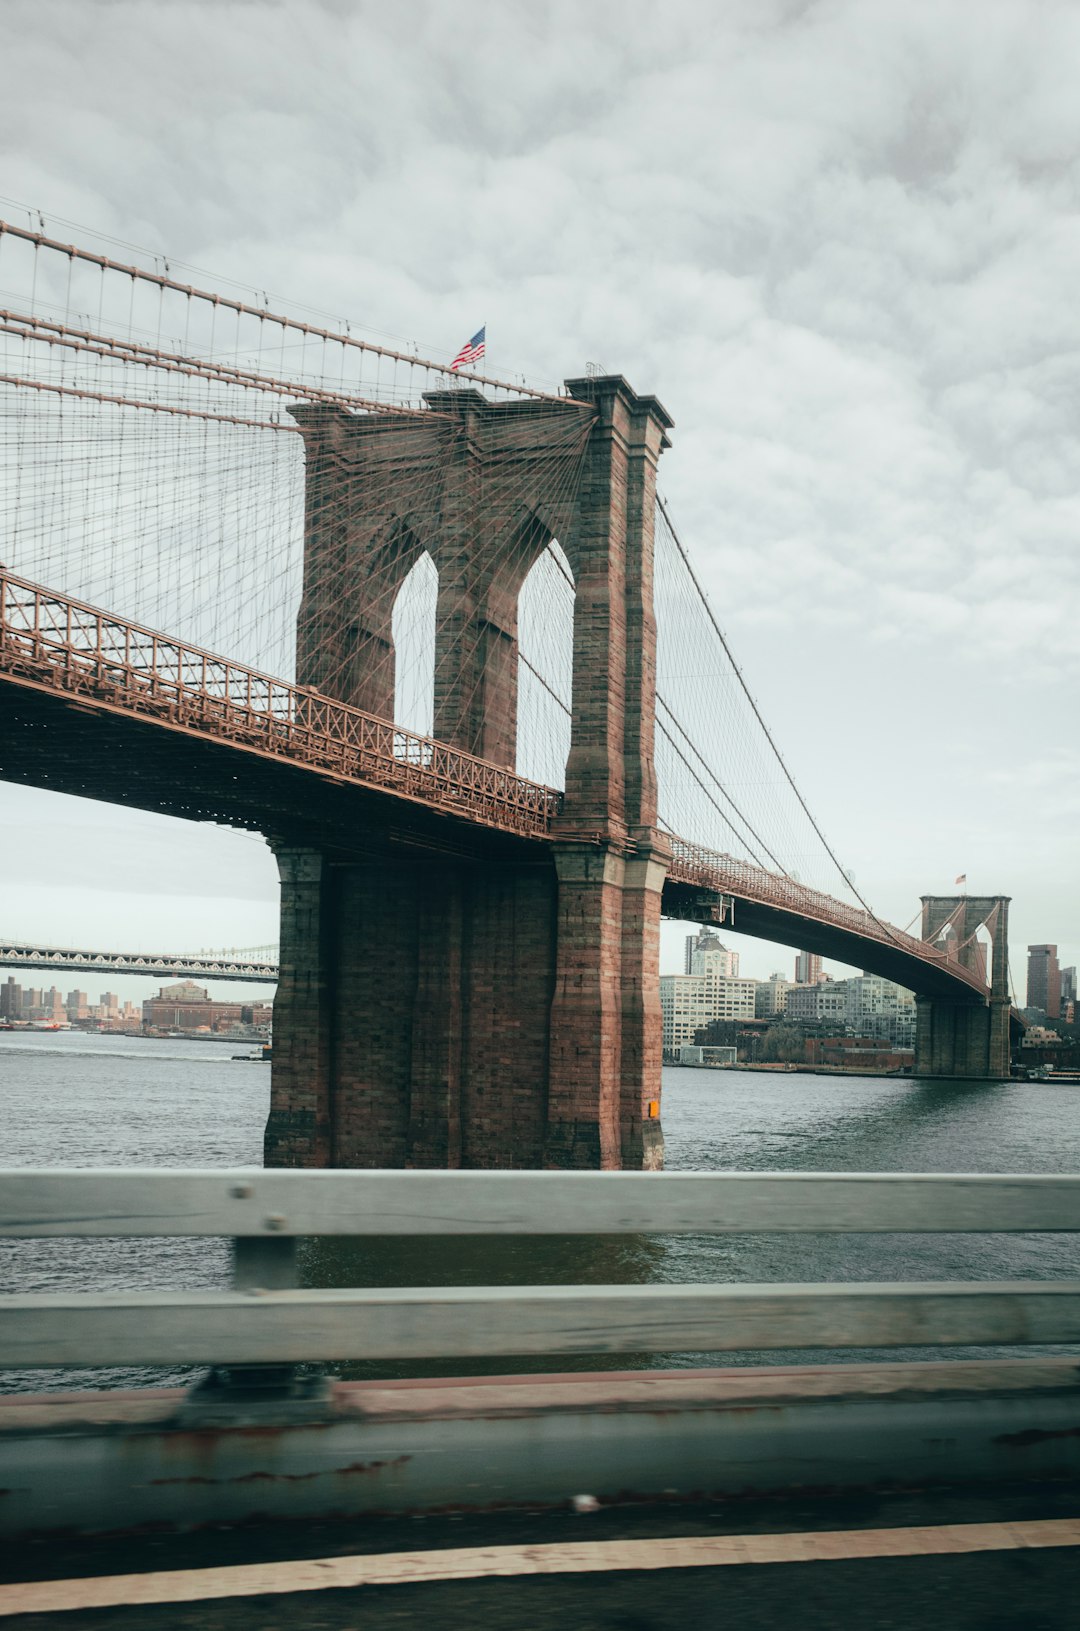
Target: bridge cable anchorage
[886,928]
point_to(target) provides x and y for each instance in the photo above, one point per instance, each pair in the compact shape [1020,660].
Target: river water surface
[78,1100]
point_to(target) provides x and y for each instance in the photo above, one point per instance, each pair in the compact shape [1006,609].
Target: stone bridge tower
[500,1007]
[966,1038]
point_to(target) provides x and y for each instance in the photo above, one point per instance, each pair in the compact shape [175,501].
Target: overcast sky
[839,240]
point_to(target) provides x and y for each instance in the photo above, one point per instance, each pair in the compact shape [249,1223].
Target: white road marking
[559,1557]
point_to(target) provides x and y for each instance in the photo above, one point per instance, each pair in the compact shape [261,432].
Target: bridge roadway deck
[915,1571]
[164,766]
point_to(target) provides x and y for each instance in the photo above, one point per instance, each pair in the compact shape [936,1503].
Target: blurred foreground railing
[266,1319]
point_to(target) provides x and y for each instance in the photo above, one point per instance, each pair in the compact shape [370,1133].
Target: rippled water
[76,1100]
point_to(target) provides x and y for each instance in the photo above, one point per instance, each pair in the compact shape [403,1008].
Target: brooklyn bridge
[435,635]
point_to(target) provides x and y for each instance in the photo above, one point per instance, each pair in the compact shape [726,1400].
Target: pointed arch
[413,634]
[546,603]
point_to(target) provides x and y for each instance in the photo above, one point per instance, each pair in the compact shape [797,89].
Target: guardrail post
[234,1395]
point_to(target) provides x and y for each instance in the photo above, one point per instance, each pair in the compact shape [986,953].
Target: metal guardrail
[266,1319]
[50,639]
[726,875]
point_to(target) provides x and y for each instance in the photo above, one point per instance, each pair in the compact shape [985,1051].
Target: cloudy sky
[840,240]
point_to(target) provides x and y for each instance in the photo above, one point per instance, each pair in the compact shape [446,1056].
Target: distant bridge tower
[961,1038]
[469,1001]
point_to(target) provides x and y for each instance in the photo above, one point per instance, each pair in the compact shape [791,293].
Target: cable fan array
[152,462]
[149,462]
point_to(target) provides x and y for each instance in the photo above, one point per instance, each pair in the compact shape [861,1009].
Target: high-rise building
[1068,985]
[807,968]
[11,999]
[77,1005]
[713,958]
[1044,980]
[704,954]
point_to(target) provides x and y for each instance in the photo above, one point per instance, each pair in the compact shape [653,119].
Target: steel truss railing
[69,646]
[265,1319]
[725,875]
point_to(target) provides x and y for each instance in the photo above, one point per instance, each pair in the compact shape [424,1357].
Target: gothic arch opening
[545,667]
[413,632]
[982,953]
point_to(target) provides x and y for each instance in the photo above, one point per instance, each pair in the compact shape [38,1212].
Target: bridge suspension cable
[189,518]
[711,688]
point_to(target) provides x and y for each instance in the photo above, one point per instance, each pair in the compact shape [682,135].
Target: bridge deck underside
[769,922]
[94,750]
[90,750]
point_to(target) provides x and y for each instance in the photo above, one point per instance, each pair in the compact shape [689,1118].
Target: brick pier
[471,1010]
[958,1038]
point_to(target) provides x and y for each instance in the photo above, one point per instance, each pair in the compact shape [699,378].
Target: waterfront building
[43,1005]
[691,1054]
[186,1006]
[11,999]
[683,1008]
[880,1008]
[770,997]
[77,1006]
[690,1002]
[811,1004]
[866,1006]
[807,968]
[1044,980]
[1068,985]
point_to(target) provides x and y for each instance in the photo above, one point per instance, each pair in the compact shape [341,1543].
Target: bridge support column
[606,1032]
[413,1018]
[966,1039]
[299,1128]
[961,1039]
[501,1011]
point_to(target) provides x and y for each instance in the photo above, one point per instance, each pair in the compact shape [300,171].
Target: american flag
[470,352]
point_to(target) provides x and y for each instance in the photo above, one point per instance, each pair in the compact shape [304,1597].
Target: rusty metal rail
[50,640]
[724,874]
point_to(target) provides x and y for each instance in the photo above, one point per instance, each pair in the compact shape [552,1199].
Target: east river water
[70,1099]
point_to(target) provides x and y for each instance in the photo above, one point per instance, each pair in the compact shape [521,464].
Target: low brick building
[185,1006]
